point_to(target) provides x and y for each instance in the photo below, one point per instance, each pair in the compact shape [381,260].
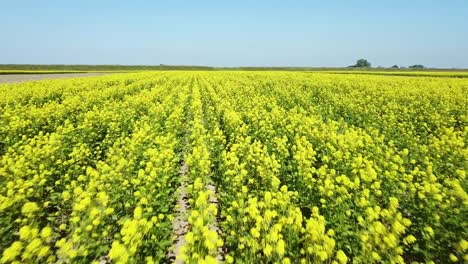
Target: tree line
[363,63]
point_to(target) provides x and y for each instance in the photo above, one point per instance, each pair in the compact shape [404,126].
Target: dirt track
[15,78]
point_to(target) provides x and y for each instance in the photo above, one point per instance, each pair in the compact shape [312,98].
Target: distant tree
[362,63]
[395,66]
[416,66]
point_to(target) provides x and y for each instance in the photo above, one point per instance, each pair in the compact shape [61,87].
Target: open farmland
[243,167]
[34,76]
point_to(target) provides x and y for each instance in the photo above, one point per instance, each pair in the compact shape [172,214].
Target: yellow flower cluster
[282,167]
[93,154]
[382,159]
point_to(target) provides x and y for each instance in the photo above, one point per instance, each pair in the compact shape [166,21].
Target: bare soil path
[180,223]
[15,78]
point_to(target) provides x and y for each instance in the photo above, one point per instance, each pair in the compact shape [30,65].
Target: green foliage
[416,66]
[362,63]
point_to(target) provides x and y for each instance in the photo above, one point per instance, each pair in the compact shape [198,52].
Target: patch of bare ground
[215,226]
[16,78]
[180,223]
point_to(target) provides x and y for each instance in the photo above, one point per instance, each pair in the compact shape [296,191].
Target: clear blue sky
[233,33]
